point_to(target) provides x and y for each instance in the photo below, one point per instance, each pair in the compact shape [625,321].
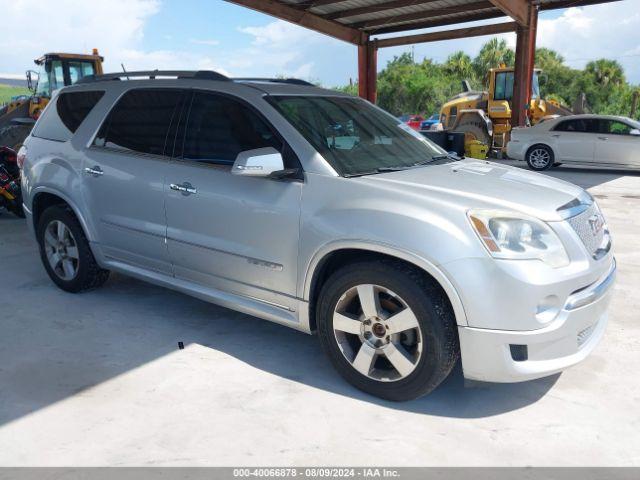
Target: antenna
[124,70]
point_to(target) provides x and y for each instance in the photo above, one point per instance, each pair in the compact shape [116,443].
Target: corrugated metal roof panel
[370,15]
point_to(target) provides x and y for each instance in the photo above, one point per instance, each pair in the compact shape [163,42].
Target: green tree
[459,64]
[492,54]
[606,72]
[406,86]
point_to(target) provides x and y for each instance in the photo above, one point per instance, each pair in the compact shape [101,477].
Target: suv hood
[480,184]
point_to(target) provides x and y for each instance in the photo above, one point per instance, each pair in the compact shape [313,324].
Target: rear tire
[540,157]
[65,251]
[419,323]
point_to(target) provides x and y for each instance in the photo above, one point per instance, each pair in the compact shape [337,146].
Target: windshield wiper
[392,169]
[435,158]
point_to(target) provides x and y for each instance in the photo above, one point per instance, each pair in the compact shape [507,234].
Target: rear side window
[140,121]
[582,125]
[71,108]
[219,128]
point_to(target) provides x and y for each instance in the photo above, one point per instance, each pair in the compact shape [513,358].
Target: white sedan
[592,140]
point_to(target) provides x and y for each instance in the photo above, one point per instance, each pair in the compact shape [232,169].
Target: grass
[8,91]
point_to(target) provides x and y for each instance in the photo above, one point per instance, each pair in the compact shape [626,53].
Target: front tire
[387,329]
[65,251]
[540,157]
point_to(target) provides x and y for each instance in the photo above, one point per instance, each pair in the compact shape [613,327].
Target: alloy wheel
[539,158]
[377,332]
[61,249]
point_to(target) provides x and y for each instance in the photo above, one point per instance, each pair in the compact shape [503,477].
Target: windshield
[355,137]
[50,78]
[51,74]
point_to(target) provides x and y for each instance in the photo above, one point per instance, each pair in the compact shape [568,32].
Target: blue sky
[214,34]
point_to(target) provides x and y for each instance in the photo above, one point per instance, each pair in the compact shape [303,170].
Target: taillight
[22,156]
[8,154]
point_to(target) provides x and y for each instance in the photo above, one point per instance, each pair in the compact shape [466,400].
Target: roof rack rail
[292,81]
[152,74]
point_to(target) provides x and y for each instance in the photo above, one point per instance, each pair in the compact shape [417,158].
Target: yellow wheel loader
[55,70]
[486,116]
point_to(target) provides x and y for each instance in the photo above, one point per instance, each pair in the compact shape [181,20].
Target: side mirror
[635,131]
[260,162]
[31,84]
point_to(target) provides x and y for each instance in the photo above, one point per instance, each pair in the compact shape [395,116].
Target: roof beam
[318,3]
[352,12]
[438,23]
[516,9]
[424,15]
[305,19]
[447,35]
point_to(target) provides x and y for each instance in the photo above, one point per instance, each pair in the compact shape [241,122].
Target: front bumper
[488,355]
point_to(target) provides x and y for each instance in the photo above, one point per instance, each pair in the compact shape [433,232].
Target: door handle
[95,171]
[186,188]
[603,138]
[556,136]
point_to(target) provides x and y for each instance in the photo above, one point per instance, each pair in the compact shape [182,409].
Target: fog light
[519,353]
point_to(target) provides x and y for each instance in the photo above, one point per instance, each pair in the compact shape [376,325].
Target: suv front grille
[592,230]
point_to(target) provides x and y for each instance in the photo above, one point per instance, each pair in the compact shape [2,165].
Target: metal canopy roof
[356,20]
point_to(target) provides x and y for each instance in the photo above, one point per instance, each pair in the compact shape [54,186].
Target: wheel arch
[339,253]
[44,197]
[538,143]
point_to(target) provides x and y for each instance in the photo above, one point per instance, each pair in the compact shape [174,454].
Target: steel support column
[368,70]
[525,58]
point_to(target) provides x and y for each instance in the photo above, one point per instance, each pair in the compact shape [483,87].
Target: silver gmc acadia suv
[321,212]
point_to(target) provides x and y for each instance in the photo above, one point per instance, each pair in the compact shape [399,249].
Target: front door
[124,174]
[616,146]
[229,232]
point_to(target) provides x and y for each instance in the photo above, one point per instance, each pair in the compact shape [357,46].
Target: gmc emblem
[596,222]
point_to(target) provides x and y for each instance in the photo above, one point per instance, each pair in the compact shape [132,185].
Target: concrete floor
[98,379]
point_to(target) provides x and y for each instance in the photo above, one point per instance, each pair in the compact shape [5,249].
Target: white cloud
[282,48]
[599,31]
[70,25]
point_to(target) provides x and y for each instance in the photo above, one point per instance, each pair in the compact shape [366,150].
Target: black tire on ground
[440,350]
[474,129]
[89,274]
[13,136]
[540,157]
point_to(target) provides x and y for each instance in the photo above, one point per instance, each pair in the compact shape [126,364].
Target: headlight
[516,236]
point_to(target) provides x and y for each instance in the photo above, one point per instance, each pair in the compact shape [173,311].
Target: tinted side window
[71,108]
[615,128]
[140,120]
[219,128]
[572,126]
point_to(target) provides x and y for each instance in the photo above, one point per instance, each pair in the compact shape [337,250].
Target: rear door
[573,140]
[124,172]
[232,233]
[616,146]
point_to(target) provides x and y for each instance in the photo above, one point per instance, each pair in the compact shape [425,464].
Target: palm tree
[460,65]
[492,54]
[548,59]
[606,72]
